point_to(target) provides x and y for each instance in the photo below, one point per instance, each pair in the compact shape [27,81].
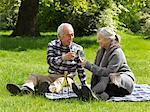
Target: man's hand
[69,56]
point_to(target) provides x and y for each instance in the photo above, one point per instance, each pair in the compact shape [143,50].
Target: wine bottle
[65,88]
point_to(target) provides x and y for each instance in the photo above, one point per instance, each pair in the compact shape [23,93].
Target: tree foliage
[8,13]
[85,15]
[76,12]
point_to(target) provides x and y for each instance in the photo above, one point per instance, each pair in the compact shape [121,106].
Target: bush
[8,13]
[145,27]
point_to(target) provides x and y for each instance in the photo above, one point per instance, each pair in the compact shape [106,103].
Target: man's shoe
[14,89]
[77,90]
[87,93]
[43,88]
[26,90]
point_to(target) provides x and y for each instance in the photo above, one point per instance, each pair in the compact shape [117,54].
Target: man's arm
[52,58]
[81,74]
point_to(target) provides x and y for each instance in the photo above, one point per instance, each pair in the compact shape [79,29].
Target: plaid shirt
[58,66]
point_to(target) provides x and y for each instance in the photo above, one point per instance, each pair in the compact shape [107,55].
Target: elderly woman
[111,75]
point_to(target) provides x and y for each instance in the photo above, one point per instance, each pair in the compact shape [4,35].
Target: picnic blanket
[65,93]
[141,92]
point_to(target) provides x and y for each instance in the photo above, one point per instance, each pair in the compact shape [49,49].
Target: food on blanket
[52,88]
[56,86]
[60,84]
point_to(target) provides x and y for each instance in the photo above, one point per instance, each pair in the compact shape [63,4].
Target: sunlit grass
[20,57]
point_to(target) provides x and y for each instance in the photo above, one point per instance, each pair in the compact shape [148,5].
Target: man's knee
[33,76]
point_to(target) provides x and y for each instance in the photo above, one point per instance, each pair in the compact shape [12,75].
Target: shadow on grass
[23,43]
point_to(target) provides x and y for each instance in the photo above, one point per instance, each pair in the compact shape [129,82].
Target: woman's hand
[83,62]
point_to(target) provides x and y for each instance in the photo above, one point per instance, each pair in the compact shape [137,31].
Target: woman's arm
[113,66]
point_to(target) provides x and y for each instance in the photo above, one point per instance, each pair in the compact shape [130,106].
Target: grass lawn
[20,57]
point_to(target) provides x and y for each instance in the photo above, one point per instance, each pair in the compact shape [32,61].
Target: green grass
[20,57]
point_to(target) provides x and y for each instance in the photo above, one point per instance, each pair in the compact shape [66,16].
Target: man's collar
[60,43]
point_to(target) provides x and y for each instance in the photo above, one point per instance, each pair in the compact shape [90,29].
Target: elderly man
[62,57]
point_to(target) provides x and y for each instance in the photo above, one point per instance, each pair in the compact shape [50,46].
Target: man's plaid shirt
[58,66]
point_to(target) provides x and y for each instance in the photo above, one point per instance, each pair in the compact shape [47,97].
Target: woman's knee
[127,82]
[101,85]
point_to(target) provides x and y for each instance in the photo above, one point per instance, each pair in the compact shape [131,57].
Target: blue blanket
[141,92]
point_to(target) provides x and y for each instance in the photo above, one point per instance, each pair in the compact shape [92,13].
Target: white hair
[60,30]
[109,33]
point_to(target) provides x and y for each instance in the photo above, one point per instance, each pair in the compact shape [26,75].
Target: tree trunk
[26,23]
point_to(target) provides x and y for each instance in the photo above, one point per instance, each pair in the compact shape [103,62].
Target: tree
[26,24]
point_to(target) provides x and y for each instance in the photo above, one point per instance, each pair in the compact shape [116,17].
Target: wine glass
[81,55]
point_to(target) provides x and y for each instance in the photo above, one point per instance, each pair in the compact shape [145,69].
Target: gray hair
[109,33]
[60,30]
